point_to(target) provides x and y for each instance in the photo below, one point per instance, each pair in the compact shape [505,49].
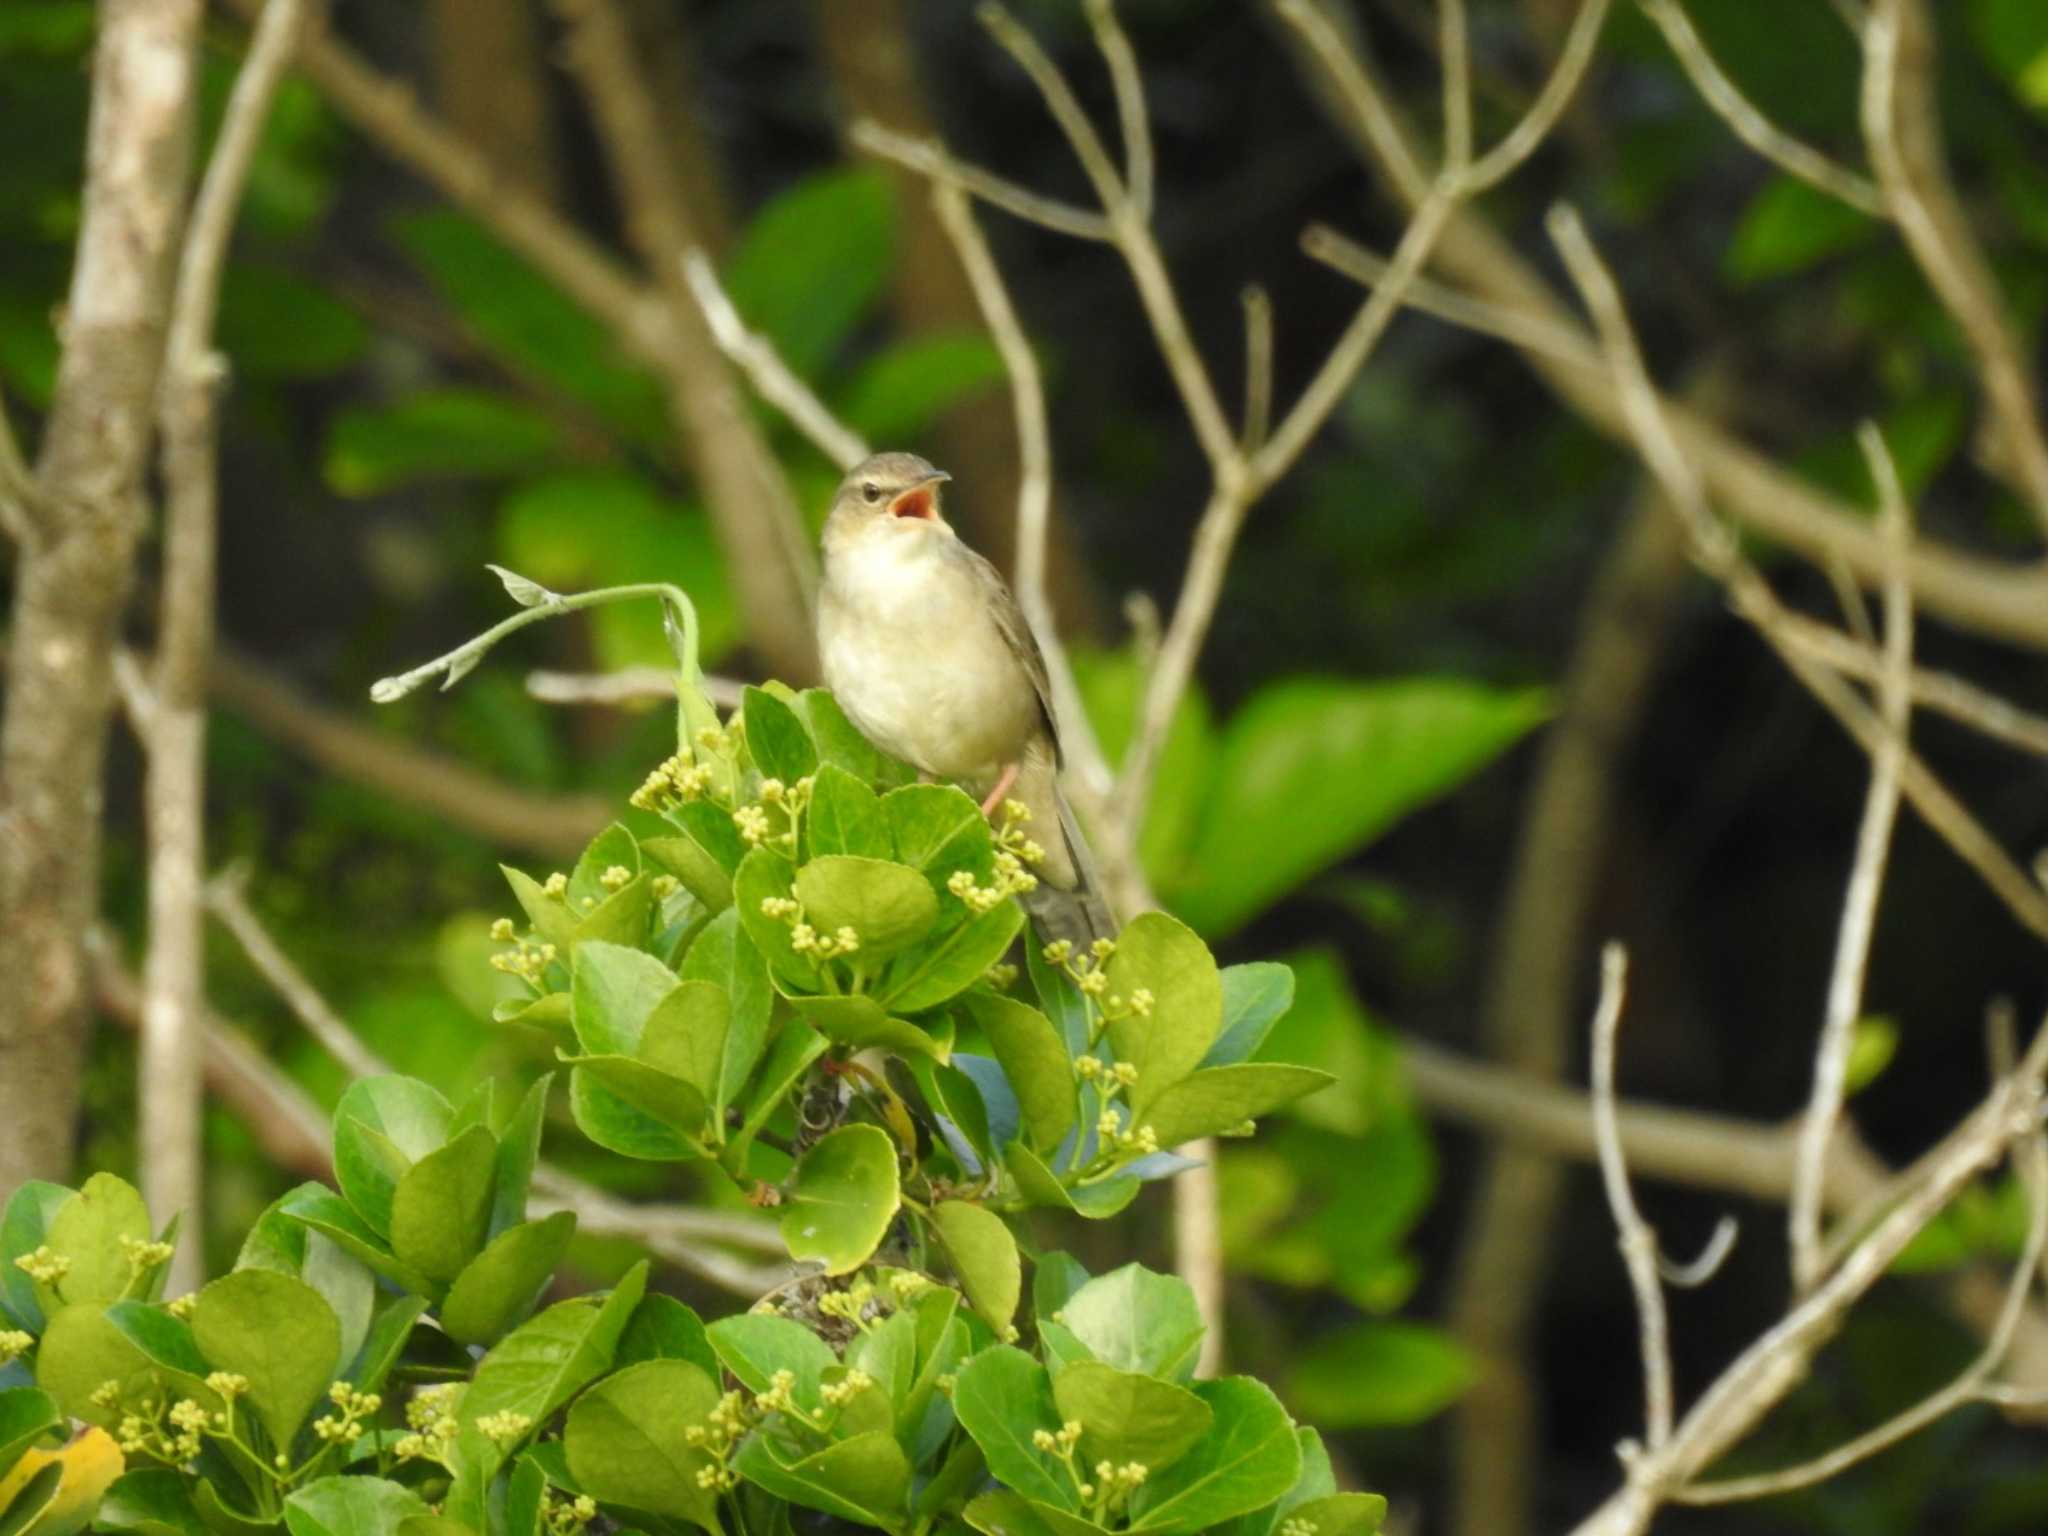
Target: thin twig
[171,1088]
[1524,138]
[1749,124]
[17,484]
[1083,751]
[1901,128]
[1638,1242]
[629,685]
[930,159]
[1720,1244]
[1866,878]
[1132,120]
[771,377]
[1454,47]
[1258,368]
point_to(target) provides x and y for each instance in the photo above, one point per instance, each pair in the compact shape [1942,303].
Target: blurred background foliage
[411,400]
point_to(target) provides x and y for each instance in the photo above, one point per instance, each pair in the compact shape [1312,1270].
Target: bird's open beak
[920,501]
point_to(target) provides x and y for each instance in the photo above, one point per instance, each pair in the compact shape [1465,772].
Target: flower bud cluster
[143,1256]
[564,1516]
[803,937]
[347,1426]
[431,1418]
[527,960]
[44,1265]
[672,782]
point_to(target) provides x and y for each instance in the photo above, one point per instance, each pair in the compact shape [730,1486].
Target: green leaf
[860,1023]
[702,875]
[776,738]
[615,990]
[642,1121]
[350,1506]
[25,1227]
[789,1057]
[79,1350]
[1035,1060]
[1003,1513]
[1313,769]
[812,262]
[620,918]
[88,1230]
[1342,1514]
[663,1328]
[334,1218]
[518,1151]
[1138,1321]
[525,318]
[864,1479]
[1039,1185]
[890,906]
[526,1497]
[625,1440]
[1255,996]
[984,1255]
[755,1345]
[939,972]
[32,1500]
[1217,1098]
[26,1415]
[1162,955]
[390,1330]
[1002,1397]
[762,874]
[150,1501]
[613,848]
[840,743]
[441,1210]
[938,831]
[838,1204]
[724,956]
[845,817]
[1381,1373]
[1250,1458]
[282,1243]
[541,1364]
[382,1126]
[550,916]
[1128,1417]
[500,1285]
[277,1332]
[1871,1048]
[274,324]
[1788,227]
[907,386]
[165,1340]
[712,829]
[434,434]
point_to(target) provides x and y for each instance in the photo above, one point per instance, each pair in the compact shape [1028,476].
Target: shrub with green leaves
[795,972]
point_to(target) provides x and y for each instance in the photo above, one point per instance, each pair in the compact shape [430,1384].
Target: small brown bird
[928,653]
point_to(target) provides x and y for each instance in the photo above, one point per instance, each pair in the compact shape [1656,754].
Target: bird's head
[887,494]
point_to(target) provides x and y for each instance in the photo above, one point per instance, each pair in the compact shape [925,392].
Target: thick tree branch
[76,566]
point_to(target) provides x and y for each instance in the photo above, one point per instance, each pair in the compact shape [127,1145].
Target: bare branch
[1132,120]
[1454,48]
[771,377]
[1638,1242]
[17,484]
[1748,123]
[1523,139]
[1686,1277]
[1866,878]
[632,685]
[930,160]
[1902,128]
[1258,368]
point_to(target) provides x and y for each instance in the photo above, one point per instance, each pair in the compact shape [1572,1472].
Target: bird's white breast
[916,660]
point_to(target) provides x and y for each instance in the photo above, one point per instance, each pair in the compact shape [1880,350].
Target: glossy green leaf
[518,1151]
[282,1243]
[619,918]
[889,905]
[764,874]
[789,1056]
[550,915]
[1789,226]
[382,1126]
[940,971]
[845,817]
[700,872]
[1137,1320]
[24,1227]
[277,1332]
[1342,1514]
[865,1479]
[755,1345]
[812,262]
[907,386]
[150,1501]
[1313,769]
[26,1415]
[1249,1458]
[1162,955]
[1215,1099]
[984,1255]
[840,1201]
[441,1210]
[616,988]
[1127,1417]
[840,742]
[500,1286]
[776,738]
[350,1506]
[541,1364]
[626,1445]
[1003,1397]
[620,1123]
[725,957]
[1003,1513]
[662,1328]
[88,1230]
[1255,996]
[334,1218]
[1035,1061]
[939,831]
[858,1022]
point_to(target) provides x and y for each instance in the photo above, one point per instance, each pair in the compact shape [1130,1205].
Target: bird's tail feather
[1080,915]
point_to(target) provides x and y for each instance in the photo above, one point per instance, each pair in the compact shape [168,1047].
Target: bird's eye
[872,491]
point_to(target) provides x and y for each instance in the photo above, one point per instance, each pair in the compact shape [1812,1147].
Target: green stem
[539,604]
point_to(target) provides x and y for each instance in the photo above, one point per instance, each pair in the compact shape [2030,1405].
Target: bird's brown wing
[1016,629]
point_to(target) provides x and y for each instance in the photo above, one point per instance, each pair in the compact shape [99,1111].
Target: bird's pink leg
[995,796]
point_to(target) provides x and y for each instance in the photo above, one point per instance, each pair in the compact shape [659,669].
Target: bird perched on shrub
[927,651]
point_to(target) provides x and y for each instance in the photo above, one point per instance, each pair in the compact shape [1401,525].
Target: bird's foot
[1002,789]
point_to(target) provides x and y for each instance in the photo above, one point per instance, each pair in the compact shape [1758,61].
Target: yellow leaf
[90,1464]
